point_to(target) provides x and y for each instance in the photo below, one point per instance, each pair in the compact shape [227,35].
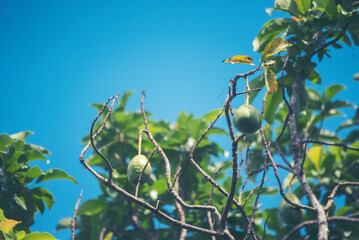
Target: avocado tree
[21,195]
[188,187]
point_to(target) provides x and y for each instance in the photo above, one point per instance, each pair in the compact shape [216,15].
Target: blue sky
[57,57]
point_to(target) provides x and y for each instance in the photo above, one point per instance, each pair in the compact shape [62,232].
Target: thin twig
[311,222]
[143,170]
[265,224]
[73,221]
[334,191]
[159,202]
[110,169]
[345,146]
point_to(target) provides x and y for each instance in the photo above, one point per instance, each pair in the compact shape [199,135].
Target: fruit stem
[248,89]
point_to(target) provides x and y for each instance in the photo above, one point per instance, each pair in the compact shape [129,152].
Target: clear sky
[57,57]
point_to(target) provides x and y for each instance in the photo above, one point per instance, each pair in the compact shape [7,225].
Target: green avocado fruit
[290,214]
[136,166]
[247,119]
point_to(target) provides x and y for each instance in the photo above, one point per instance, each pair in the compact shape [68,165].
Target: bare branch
[310,222]
[73,220]
[334,191]
[345,146]
[110,169]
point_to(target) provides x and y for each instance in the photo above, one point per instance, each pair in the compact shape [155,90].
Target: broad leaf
[331,91]
[240,59]
[327,6]
[55,174]
[270,30]
[271,105]
[8,225]
[21,135]
[39,236]
[91,207]
[303,5]
[315,155]
[270,80]
[257,82]
[276,46]
[286,6]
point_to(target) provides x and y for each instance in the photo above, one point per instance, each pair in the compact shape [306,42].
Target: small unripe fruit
[135,168]
[247,119]
[290,214]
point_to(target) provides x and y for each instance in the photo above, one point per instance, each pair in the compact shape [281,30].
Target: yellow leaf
[276,46]
[315,155]
[240,59]
[7,225]
[109,236]
[270,79]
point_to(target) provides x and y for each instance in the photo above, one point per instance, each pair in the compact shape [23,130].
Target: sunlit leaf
[109,236]
[7,225]
[240,59]
[315,156]
[39,236]
[21,135]
[303,5]
[270,30]
[288,180]
[331,91]
[276,46]
[270,80]
[55,174]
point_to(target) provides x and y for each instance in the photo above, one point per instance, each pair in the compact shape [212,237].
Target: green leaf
[271,105]
[4,140]
[55,174]
[33,173]
[276,46]
[331,91]
[210,116]
[314,77]
[327,6]
[270,80]
[270,30]
[288,179]
[21,135]
[64,223]
[29,147]
[91,207]
[257,82]
[288,6]
[314,99]
[125,98]
[34,155]
[39,236]
[45,195]
[303,5]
